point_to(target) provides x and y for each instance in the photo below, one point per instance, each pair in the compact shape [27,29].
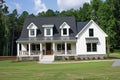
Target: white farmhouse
[49,38]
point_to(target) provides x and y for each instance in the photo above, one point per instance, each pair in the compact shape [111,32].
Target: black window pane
[33,46]
[91,33]
[64,31]
[68,46]
[63,46]
[59,47]
[88,47]
[94,47]
[32,32]
[48,31]
[38,47]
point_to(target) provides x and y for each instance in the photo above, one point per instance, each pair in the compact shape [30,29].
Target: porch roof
[47,39]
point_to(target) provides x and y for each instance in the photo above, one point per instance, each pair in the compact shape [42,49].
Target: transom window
[91,32]
[91,47]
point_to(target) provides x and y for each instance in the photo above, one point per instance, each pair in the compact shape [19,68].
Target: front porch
[39,50]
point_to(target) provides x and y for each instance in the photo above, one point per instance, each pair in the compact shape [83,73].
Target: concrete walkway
[68,62]
[116,62]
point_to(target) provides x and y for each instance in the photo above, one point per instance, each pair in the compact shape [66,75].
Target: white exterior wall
[81,48]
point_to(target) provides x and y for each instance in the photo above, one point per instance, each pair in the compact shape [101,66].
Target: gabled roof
[82,29]
[56,21]
[76,28]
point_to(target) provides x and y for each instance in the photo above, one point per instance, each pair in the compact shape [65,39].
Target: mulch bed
[7,57]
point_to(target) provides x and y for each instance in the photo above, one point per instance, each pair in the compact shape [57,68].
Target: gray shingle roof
[75,27]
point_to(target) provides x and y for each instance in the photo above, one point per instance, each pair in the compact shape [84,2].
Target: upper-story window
[32,30]
[91,32]
[64,29]
[48,30]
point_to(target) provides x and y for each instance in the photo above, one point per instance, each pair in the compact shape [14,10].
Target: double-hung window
[91,47]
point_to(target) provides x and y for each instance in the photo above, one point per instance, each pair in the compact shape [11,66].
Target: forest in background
[106,13]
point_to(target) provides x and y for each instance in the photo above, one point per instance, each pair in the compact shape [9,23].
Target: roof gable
[32,26]
[87,25]
[64,25]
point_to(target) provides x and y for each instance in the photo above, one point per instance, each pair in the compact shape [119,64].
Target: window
[64,31]
[48,32]
[62,46]
[91,32]
[68,46]
[91,47]
[35,47]
[32,32]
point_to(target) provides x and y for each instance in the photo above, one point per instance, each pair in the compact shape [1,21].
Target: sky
[36,6]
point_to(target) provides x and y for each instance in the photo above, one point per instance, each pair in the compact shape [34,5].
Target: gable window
[32,32]
[64,31]
[91,32]
[91,47]
[32,28]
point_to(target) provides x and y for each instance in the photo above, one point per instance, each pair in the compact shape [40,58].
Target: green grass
[73,71]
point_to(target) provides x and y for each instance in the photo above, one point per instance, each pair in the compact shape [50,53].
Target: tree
[3,28]
[107,22]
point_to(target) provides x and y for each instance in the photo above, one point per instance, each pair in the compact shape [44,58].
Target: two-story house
[48,38]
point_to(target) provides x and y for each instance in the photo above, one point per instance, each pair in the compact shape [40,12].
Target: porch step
[46,59]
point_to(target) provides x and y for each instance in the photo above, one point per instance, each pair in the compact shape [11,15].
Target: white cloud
[17,6]
[39,6]
[69,4]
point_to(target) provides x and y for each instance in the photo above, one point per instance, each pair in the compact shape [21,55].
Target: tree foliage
[106,13]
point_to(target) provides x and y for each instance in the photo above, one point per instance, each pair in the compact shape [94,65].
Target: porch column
[65,48]
[40,48]
[29,49]
[53,48]
[18,49]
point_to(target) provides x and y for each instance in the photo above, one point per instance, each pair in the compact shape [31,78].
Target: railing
[63,52]
[25,53]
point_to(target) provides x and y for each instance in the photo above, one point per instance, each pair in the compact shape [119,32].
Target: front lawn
[73,71]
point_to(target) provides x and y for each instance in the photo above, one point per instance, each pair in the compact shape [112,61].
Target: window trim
[45,31]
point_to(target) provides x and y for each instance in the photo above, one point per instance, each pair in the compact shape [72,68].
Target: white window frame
[65,26]
[45,30]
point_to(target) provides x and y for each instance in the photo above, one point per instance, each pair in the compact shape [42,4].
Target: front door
[48,49]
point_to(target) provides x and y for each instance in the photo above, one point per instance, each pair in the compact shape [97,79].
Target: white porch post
[29,49]
[65,48]
[53,48]
[40,48]
[18,49]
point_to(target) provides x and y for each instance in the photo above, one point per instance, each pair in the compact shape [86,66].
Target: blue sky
[36,6]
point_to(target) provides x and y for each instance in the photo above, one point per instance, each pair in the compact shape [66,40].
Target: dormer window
[48,30]
[64,29]
[32,30]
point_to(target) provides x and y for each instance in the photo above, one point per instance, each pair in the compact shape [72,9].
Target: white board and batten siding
[81,47]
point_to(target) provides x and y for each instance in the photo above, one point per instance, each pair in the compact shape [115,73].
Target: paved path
[76,61]
[116,62]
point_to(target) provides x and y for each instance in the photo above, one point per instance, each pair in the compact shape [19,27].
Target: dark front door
[48,49]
